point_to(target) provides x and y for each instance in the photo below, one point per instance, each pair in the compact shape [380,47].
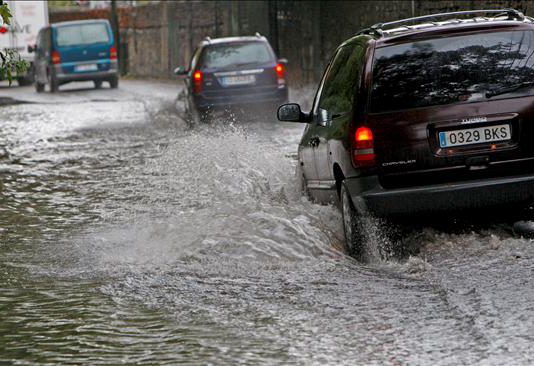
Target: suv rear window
[82,34]
[236,54]
[451,70]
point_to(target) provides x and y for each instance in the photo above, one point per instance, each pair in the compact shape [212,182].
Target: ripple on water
[147,241]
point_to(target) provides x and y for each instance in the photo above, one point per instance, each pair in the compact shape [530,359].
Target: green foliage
[11,65]
[10,62]
[59,4]
[5,14]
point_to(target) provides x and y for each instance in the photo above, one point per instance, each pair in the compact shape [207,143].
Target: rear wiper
[508,89]
[246,63]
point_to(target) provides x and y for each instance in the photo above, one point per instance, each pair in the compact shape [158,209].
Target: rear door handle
[314,141]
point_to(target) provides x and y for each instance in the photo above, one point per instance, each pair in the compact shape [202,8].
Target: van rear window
[451,70]
[82,34]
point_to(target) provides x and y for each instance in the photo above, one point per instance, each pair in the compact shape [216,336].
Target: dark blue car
[234,71]
[76,51]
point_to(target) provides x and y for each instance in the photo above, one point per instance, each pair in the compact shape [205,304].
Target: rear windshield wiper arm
[494,92]
[246,63]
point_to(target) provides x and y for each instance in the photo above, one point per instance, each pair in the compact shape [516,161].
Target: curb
[6,101]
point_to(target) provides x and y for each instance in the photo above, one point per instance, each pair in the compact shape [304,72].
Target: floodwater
[130,237]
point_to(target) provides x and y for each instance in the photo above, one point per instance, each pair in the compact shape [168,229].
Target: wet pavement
[128,236]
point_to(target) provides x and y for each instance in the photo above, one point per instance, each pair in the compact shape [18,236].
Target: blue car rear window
[236,54]
[82,34]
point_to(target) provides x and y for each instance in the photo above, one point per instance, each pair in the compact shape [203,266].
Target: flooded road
[129,237]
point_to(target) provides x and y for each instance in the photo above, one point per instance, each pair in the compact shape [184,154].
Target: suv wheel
[302,186]
[190,116]
[195,115]
[351,224]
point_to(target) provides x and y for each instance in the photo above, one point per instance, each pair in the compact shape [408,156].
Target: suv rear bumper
[369,196]
[227,98]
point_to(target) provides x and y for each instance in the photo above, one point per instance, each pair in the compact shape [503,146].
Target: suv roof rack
[379,28]
[207,39]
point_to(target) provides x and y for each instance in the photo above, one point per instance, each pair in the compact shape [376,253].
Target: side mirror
[283,61]
[180,70]
[291,113]
[32,48]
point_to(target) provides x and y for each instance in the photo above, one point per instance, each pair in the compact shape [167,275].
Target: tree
[10,62]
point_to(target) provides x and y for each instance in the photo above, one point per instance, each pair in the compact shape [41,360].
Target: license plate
[478,135]
[89,67]
[239,80]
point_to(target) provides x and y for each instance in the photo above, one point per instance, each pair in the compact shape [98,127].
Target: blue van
[75,51]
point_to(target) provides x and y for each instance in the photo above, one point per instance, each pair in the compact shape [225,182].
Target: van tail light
[56,58]
[112,53]
[363,148]
[197,82]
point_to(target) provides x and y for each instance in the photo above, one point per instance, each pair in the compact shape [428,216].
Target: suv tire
[351,224]
[195,115]
[302,185]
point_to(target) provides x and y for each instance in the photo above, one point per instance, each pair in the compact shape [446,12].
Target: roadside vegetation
[11,64]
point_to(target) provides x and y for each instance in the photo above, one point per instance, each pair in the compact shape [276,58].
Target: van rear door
[83,43]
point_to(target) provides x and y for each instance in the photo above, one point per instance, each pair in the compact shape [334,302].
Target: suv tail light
[56,58]
[279,68]
[280,71]
[363,152]
[197,82]
[112,53]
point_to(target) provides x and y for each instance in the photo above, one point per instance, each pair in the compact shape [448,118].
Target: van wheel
[28,78]
[54,85]
[39,88]
[114,82]
[98,84]
[351,225]
[25,81]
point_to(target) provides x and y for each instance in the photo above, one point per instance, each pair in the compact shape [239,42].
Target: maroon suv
[423,115]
